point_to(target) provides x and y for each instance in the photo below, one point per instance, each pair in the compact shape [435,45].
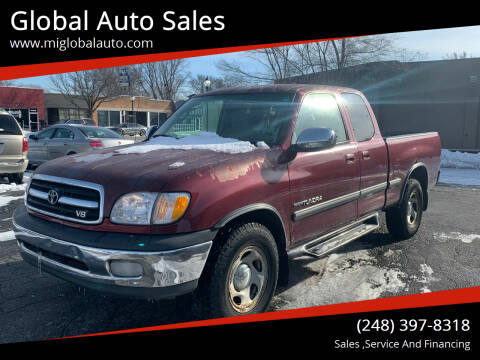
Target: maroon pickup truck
[218,198]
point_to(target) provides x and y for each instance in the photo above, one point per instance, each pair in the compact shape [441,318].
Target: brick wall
[22,98]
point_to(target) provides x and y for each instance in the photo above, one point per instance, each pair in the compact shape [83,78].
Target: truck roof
[279,88]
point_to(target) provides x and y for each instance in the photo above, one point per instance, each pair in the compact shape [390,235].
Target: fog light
[123,268]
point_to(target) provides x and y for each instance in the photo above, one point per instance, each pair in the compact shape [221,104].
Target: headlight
[146,208]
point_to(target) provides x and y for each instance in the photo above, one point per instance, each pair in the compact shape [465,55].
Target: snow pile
[7,235]
[12,187]
[202,141]
[465,238]
[5,200]
[460,160]
[91,157]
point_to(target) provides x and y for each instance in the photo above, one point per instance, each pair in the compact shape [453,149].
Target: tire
[142,133]
[403,220]
[241,275]
[15,178]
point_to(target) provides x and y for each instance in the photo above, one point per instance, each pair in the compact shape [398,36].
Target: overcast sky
[435,44]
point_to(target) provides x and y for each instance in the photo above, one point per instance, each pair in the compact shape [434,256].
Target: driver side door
[324,184]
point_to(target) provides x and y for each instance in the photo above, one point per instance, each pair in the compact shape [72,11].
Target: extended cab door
[372,153]
[324,184]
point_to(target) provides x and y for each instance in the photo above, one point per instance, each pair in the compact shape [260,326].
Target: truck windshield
[259,117]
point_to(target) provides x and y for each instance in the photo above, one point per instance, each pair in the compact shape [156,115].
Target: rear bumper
[13,166]
[163,273]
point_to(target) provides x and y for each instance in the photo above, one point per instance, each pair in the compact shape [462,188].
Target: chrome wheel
[412,208]
[247,279]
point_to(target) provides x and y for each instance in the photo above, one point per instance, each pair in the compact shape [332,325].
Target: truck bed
[404,153]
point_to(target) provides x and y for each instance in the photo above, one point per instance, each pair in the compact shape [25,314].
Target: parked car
[83,121]
[130,129]
[219,206]
[13,149]
[61,140]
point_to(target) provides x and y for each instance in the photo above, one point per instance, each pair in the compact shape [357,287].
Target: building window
[65,114]
[103,118]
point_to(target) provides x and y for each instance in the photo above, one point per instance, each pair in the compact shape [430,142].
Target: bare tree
[196,83]
[274,64]
[164,79]
[7,82]
[92,86]
[455,56]
[281,62]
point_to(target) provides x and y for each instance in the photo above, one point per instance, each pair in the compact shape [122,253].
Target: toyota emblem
[52,197]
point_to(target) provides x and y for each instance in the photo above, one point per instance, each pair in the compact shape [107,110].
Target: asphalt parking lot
[445,254]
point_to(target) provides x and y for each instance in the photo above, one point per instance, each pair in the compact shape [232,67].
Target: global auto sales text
[171,20]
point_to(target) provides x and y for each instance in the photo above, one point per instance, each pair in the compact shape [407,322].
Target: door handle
[350,158]
[365,155]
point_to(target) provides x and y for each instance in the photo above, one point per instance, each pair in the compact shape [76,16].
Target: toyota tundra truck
[218,199]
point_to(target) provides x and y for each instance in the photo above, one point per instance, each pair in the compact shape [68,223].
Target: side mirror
[33,137]
[315,139]
[150,131]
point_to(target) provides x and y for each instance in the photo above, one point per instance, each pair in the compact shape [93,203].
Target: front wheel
[404,220]
[241,276]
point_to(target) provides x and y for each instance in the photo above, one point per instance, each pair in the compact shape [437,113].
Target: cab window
[359,117]
[320,110]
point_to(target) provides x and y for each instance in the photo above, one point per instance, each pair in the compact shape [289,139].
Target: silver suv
[13,149]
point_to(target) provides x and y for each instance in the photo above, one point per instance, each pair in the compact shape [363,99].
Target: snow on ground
[12,187]
[203,141]
[460,168]
[5,186]
[356,276]
[5,200]
[460,160]
[458,236]
[7,236]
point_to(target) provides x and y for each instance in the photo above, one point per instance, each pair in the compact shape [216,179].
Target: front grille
[57,258]
[70,200]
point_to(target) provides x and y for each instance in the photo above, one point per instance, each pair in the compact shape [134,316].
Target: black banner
[451,329]
[32,34]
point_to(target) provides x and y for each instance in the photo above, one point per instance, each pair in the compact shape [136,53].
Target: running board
[335,239]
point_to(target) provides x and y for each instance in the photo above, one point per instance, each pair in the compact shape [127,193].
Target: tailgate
[11,145]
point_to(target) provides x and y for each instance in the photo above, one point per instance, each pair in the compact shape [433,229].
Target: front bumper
[165,273]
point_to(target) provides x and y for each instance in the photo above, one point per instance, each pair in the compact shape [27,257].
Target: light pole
[206,85]
[133,114]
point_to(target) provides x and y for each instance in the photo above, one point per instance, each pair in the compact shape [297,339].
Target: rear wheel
[15,178]
[241,275]
[404,220]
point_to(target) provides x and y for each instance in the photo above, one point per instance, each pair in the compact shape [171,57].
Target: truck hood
[121,171]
